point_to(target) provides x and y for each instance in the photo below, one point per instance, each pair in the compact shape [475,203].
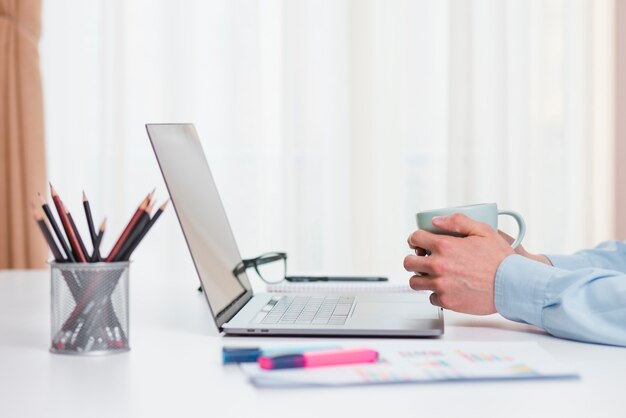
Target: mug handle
[521,225]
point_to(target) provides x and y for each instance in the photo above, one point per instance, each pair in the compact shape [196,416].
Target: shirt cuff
[569,262]
[520,289]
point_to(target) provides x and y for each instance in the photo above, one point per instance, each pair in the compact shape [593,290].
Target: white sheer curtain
[328,124]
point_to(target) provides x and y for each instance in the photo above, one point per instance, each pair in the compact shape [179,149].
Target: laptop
[235,307]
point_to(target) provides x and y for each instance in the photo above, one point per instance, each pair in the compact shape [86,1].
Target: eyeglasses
[271,267]
[266,267]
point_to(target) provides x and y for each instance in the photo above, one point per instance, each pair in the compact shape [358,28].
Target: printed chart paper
[431,362]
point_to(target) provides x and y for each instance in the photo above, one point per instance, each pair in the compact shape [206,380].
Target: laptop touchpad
[387,310]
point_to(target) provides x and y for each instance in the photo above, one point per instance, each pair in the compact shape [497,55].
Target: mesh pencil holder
[89,309]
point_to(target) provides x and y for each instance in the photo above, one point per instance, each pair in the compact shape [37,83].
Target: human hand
[459,271]
[522,251]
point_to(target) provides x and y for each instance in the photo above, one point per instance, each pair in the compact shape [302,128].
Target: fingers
[506,237]
[461,224]
[434,300]
[423,240]
[418,264]
[426,283]
[422,283]
[520,248]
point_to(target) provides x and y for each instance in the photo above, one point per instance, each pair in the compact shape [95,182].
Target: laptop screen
[201,215]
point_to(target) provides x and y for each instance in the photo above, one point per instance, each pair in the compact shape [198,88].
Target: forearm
[610,255]
[585,305]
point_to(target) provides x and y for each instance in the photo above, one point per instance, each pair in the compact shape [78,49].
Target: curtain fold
[22,149]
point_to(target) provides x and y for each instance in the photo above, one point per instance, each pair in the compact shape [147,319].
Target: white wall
[328,124]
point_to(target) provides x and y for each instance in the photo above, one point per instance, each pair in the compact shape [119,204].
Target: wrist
[520,289]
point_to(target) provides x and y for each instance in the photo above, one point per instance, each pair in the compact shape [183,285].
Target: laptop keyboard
[315,310]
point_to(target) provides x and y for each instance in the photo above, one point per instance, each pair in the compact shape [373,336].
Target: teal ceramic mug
[483,212]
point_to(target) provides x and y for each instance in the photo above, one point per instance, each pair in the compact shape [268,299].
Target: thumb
[461,224]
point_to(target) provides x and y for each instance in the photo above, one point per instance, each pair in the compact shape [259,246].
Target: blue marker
[252,354]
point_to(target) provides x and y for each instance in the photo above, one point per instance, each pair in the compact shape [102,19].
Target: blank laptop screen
[200,212]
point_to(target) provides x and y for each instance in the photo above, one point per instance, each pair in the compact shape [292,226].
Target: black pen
[335,279]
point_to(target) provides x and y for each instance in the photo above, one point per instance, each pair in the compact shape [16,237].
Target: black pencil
[58,257]
[81,244]
[56,229]
[158,213]
[95,256]
[92,229]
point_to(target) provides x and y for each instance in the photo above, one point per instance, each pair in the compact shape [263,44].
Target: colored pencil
[81,244]
[78,254]
[158,213]
[92,229]
[129,227]
[134,234]
[95,256]
[55,227]
[58,257]
[72,284]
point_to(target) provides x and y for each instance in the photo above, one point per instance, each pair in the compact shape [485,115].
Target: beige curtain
[22,153]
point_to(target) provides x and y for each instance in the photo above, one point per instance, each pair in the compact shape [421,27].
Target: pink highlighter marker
[319,358]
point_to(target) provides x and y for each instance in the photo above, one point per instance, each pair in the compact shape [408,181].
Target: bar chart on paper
[450,364]
[481,357]
[436,363]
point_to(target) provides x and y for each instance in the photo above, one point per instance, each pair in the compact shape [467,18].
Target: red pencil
[144,219]
[131,225]
[69,231]
[128,253]
[81,244]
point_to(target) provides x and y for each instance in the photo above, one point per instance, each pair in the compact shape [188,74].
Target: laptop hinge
[232,309]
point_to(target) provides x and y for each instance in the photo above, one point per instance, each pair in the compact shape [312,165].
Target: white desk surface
[174,368]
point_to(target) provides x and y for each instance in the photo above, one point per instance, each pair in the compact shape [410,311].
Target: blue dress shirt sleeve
[574,301]
[610,255]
